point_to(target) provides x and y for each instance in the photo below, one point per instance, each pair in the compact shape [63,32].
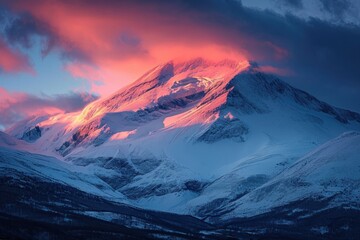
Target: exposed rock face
[32,134]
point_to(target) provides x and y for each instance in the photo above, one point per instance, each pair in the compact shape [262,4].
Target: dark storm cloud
[323,57]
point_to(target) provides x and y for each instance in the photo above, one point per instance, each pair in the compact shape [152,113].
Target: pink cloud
[15,106]
[117,41]
[12,61]
[123,40]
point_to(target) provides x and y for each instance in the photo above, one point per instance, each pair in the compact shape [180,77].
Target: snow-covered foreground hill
[217,140]
[331,171]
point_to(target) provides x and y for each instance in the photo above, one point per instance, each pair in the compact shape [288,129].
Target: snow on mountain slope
[331,171]
[53,170]
[6,140]
[191,133]
[172,80]
[11,142]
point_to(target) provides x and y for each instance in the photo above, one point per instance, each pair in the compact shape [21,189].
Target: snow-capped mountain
[217,140]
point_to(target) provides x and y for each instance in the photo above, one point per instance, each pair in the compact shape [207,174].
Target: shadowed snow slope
[331,171]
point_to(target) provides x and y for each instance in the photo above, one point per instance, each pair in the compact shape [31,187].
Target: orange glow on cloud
[118,59]
[121,43]
[119,73]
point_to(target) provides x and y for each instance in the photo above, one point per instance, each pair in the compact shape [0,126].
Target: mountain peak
[201,63]
[174,79]
[193,66]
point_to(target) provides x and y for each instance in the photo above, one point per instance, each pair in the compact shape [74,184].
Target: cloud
[111,42]
[17,106]
[124,39]
[22,29]
[295,4]
[337,8]
[13,61]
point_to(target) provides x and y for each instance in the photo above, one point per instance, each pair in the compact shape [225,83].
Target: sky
[58,56]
